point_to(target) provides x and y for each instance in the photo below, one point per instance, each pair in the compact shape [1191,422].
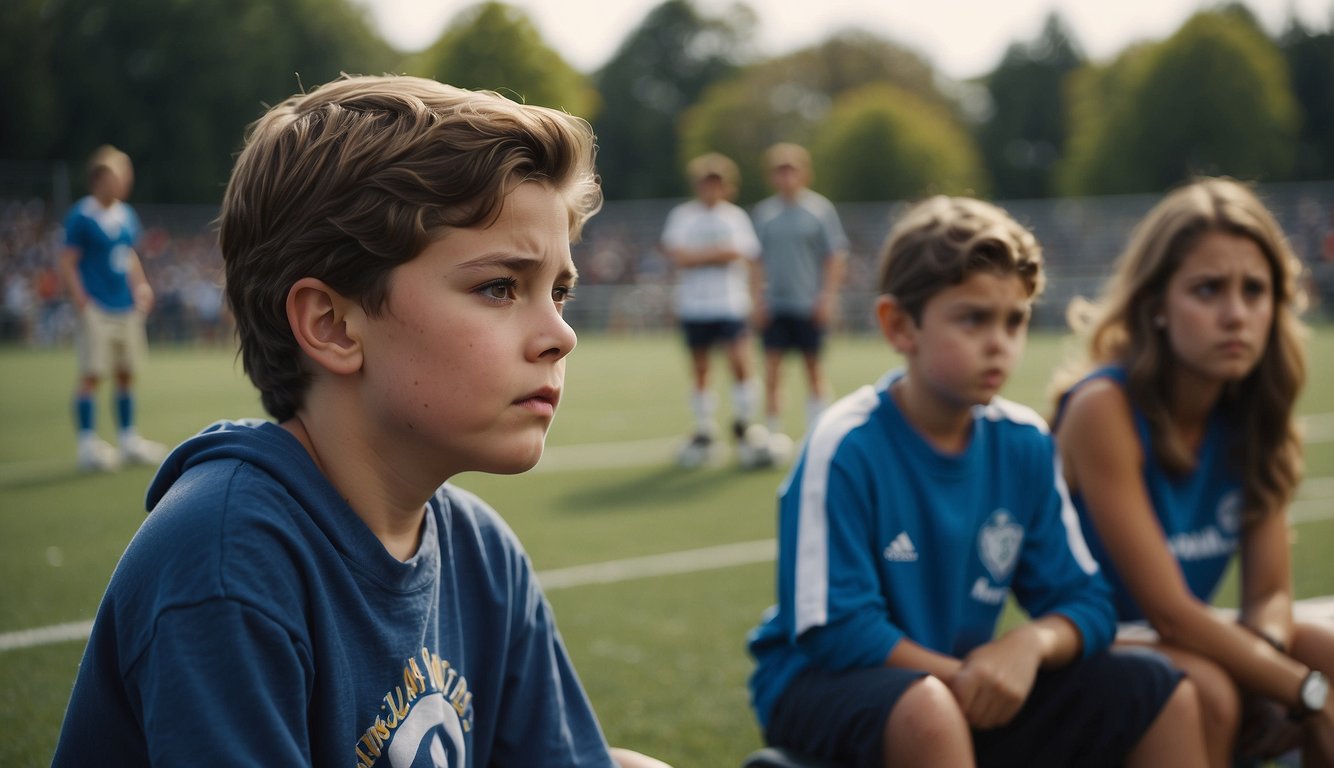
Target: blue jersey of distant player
[105,238]
[1200,510]
[883,537]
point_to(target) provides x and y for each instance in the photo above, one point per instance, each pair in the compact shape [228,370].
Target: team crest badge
[998,544]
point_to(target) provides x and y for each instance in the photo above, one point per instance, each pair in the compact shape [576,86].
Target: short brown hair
[940,241]
[349,181]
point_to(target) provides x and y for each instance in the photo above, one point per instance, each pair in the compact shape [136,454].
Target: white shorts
[110,342]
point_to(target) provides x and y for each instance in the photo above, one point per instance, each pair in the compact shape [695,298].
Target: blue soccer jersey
[1199,511]
[883,537]
[105,238]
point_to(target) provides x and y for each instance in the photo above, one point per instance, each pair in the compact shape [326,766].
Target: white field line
[669,564]
[1315,503]
[1317,428]
[56,633]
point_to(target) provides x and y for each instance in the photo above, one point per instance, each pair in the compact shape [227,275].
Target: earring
[1159,321]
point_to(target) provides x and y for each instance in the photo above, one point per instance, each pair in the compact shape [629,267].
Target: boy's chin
[514,464]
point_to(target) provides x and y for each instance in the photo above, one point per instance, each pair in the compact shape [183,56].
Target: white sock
[814,407]
[744,400]
[701,407]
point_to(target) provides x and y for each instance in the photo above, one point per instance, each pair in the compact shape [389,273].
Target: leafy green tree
[659,70]
[495,46]
[785,99]
[175,83]
[1025,133]
[29,87]
[880,142]
[1214,98]
[1310,57]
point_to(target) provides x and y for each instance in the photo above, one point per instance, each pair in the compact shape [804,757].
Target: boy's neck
[396,523]
[945,426]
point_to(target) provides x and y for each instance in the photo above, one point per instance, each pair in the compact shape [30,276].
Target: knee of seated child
[927,711]
[1183,707]
[1220,700]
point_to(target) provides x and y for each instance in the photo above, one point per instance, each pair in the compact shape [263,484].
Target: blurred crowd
[182,263]
[625,282]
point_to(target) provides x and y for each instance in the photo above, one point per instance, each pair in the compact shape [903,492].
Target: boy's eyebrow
[518,263]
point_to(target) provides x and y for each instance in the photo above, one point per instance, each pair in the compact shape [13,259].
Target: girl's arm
[1102,457]
[1266,587]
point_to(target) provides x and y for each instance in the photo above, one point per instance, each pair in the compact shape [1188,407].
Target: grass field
[662,657]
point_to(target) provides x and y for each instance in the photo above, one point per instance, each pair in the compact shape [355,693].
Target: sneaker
[696,452]
[97,455]
[137,450]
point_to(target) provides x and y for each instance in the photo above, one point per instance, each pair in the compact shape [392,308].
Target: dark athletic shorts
[788,332]
[1089,713]
[704,334]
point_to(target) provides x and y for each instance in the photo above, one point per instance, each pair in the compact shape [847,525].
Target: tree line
[175,82]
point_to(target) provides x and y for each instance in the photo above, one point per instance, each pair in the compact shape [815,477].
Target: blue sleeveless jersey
[882,537]
[1200,511]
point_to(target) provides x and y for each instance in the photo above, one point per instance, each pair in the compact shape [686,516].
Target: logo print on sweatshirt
[998,544]
[901,550]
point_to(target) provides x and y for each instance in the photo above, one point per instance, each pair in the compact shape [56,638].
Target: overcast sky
[962,38]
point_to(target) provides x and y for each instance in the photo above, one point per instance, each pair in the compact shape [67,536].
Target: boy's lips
[543,400]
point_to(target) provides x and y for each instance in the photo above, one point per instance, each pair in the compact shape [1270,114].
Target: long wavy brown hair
[1265,447]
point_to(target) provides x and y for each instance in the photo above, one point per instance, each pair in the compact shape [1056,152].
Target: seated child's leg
[1220,701]
[845,717]
[927,728]
[1176,736]
[1092,712]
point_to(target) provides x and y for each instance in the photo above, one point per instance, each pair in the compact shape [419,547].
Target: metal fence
[626,283]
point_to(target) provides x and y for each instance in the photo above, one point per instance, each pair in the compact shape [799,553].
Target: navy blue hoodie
[254,619]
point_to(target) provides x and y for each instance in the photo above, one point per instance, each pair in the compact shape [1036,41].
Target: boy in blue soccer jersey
[917,506]
[112,296]
[310,590]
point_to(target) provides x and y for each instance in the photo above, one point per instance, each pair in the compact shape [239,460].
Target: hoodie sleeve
[261,710]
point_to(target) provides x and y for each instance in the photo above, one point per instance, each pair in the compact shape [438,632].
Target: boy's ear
[896,324]
[326,325]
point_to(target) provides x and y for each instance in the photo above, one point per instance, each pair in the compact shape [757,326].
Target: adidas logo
[901,550]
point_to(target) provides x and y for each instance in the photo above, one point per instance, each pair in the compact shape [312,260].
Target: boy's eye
[562,293]
[501,290]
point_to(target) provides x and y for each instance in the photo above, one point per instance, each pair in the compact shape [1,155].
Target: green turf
[663,658]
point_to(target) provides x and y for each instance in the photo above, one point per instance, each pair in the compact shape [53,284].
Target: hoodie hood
[254,441]
[279,457]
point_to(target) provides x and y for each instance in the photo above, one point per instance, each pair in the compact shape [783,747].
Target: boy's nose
[557,338]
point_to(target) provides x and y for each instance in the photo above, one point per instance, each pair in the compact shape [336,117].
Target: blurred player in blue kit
[112,297]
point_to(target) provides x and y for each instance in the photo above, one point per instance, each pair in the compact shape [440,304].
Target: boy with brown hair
[916,508]
[310,591]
